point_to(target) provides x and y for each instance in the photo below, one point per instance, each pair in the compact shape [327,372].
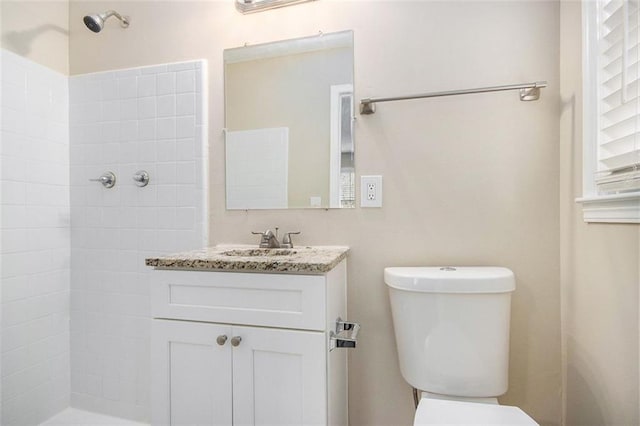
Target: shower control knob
[235,341]
[141,178]
[222,339]
[107,179]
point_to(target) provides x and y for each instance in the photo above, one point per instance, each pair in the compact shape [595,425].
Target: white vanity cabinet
[234,348]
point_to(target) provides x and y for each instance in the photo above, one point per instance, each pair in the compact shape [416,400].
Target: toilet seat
[440,412]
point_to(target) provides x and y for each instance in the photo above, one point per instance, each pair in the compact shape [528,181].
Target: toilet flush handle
[345,336]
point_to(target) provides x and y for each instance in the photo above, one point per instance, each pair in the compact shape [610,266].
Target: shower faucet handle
[107,179]
[141,178]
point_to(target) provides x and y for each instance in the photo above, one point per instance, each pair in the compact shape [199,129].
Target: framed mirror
[289,124]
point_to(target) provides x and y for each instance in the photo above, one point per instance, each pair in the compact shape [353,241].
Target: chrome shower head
[96,22]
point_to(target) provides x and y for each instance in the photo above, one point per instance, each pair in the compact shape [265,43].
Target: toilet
[452,333]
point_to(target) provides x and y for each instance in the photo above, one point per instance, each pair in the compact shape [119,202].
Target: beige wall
[38,30]
[469,180]
[600,275]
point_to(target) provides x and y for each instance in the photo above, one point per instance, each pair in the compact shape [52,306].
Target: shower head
[96,22]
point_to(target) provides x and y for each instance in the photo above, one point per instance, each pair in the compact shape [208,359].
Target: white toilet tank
[452,328]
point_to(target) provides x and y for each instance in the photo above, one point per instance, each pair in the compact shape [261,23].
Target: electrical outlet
[370,191]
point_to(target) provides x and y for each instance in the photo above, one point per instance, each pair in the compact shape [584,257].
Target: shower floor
[75,417]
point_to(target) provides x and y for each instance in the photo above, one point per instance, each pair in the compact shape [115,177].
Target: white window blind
[618,74]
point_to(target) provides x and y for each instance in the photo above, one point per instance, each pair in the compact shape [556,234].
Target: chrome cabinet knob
[141,178]
[235,341]
[222,339]
[107,179]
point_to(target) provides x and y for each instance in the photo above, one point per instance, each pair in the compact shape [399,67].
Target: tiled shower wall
[123,121]
[34,164]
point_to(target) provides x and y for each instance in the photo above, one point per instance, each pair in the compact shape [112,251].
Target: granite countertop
[297,260]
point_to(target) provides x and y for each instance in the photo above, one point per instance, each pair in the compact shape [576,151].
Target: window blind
[618,96]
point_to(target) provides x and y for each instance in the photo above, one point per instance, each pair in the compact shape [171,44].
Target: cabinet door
[190,374]
[279,377]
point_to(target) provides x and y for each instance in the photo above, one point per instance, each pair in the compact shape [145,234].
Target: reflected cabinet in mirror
[289,124]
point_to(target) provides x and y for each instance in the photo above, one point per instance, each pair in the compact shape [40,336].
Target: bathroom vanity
[248,336]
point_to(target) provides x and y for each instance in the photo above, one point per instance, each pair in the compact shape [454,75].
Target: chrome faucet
[270,240]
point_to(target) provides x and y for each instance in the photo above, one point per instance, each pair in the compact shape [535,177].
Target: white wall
[467,180]
[124,121]
[34,161]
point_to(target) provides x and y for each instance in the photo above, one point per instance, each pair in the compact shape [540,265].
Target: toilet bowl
[452,335]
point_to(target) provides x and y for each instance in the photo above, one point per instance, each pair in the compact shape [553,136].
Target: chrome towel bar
[528,92]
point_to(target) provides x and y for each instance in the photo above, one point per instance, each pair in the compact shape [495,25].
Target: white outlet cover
[371,191]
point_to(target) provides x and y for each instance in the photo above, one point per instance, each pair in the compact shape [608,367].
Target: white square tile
[146,108]
[13,193]
[186,195]
[128,152]
[146,85]
[111,110]
[92,91]
[166,83]
[148,240]
[110,153]
[167,195]
[199,80]
[128,109]
[147,195]
[109,89]
[185,218]
[166,149]
[185,104]
[166,217]
[15,288]
[185,81]
[185,127]
[200,119]
[14,96]
[147,151]
[127,87]
[166,173]
[185,149]
[128,130]
[166,106]
[166,128]
[110,132]
[185,172]
[147,218]
[15,121]
[180,66]
[128,198]
[146,129]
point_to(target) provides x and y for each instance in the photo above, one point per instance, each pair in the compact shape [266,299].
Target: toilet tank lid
[446,279]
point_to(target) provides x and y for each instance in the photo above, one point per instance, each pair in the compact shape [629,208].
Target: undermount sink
[251,252]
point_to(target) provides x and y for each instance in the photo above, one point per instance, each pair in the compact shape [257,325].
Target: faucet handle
[286,240]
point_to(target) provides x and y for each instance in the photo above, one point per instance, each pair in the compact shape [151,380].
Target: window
[611,40]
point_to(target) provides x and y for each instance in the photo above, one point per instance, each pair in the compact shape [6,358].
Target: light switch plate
[371,191]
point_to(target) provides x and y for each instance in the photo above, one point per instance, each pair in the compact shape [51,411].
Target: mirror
[289,124]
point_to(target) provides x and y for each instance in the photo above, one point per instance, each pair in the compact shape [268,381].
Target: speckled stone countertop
[297,260]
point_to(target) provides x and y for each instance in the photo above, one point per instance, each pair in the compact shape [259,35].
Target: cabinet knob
[235,341]
[222,339]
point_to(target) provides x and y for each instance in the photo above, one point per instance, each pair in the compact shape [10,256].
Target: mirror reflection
[289,124]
